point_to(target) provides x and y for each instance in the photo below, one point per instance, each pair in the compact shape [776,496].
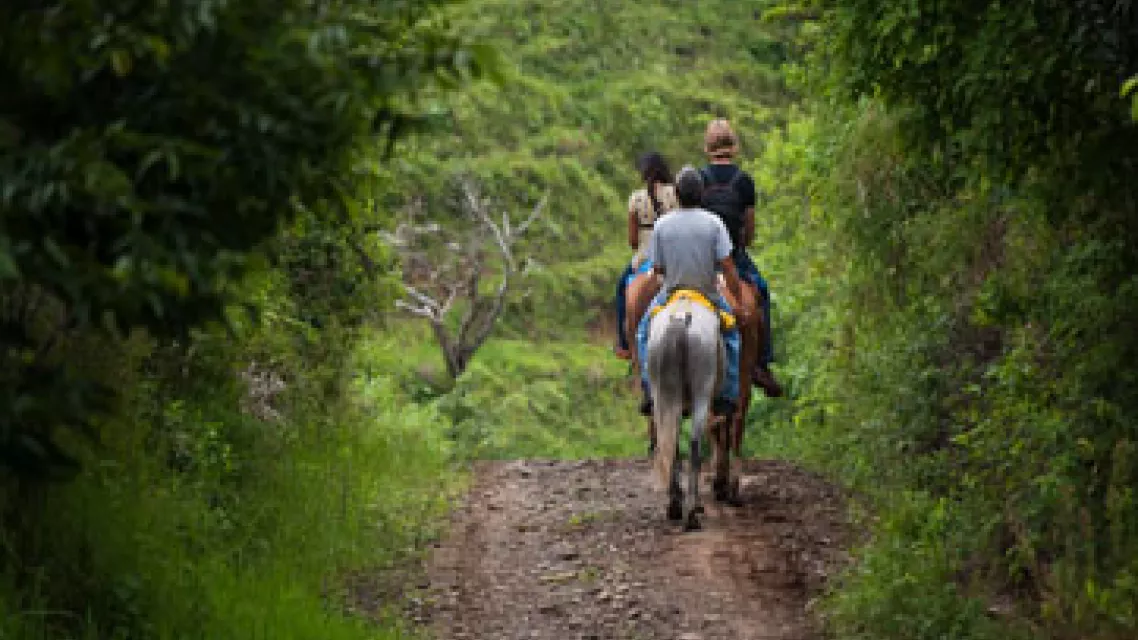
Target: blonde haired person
[729,192]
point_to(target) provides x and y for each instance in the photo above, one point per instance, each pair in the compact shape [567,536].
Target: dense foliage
[947,222]
[147,153]
[957,214]
[198,323]
[163,168]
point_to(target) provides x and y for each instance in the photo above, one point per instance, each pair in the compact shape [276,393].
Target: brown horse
[726,435]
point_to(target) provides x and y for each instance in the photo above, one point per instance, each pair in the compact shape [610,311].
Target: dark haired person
[729,192]
[645,206]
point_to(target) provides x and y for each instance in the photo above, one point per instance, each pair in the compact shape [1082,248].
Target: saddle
[727,320]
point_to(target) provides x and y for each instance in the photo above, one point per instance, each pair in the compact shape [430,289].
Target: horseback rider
[687,247]
[645,206]
[729,192]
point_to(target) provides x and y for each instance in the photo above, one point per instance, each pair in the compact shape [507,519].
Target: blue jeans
[730,386]
[626,277]
[748,272]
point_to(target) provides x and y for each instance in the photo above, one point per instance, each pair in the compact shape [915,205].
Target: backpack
[723,200]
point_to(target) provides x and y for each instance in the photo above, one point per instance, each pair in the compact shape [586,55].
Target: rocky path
[565,550]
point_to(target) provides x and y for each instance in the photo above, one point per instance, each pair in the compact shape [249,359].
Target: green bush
[148,153]
[195,518]
[952,246]
[166,168]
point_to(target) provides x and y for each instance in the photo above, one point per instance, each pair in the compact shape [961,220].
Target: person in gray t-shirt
[689,246]
[686,249]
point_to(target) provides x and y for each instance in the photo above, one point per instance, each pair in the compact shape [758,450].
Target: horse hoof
[734,496]
[675,512]
[698,510]
[719,488]
[692,523]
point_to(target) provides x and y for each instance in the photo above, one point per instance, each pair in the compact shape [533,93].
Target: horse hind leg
[675,494]
[666,427]
[703,379]
[694,506]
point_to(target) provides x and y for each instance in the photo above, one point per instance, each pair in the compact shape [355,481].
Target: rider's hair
[719,140]
[654,170]
[689,187]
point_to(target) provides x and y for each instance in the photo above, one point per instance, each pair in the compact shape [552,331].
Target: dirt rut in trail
[564,550]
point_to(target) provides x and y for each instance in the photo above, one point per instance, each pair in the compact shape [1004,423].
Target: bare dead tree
[449,282]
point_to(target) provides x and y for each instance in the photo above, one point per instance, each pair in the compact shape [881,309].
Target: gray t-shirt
[688,244]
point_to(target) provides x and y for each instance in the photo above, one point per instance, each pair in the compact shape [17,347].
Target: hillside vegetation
[588,87]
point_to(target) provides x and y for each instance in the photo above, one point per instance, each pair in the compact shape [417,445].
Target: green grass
[519,398]
[250,532]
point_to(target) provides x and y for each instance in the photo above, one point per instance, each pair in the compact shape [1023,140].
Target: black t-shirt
[744,187]
[722,174]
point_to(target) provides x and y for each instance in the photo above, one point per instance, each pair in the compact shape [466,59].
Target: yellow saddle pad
[726,319]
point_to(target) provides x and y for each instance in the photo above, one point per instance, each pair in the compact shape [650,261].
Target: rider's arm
[633,230]
[731,276]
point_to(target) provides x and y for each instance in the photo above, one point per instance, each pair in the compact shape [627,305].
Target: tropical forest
[308,320]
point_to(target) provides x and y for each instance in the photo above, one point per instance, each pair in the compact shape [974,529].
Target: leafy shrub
[956,247]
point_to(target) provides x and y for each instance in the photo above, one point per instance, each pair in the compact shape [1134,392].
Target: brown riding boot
[764,379]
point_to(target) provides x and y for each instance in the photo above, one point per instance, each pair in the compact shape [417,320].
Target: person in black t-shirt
[729,192]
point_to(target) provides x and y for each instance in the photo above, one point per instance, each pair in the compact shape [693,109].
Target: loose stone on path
[548,550]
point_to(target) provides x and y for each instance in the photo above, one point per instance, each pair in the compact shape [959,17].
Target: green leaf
[56,252]
[8,266]
[9,134]
[1129,86]
[120,62]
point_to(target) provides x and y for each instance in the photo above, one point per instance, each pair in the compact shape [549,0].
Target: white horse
[685,364]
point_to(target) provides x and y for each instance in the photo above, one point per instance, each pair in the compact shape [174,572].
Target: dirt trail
[563,550]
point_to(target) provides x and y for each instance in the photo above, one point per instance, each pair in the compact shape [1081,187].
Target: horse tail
[668,362]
